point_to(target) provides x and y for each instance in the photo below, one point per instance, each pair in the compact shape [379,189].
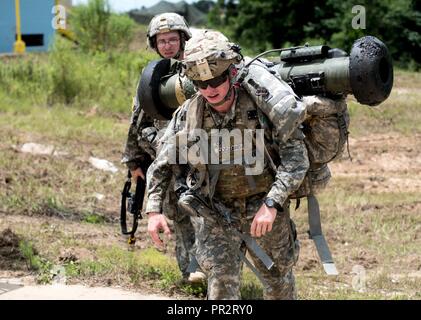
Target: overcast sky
[126,5]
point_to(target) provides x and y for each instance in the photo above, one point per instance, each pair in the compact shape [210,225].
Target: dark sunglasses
[214,82]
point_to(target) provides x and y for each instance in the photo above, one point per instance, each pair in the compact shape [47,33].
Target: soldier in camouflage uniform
[167,34]
[258,204]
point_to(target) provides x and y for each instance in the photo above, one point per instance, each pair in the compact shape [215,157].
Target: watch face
[269,203]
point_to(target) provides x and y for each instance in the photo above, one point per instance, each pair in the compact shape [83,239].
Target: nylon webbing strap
[193,265]
[256,249]
[318,237]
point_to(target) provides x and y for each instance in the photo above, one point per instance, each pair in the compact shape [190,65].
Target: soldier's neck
[226,106]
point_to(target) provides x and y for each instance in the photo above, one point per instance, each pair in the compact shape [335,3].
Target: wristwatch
[270,203]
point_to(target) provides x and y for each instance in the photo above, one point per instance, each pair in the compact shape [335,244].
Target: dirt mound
[11,257]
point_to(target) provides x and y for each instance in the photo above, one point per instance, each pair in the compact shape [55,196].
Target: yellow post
[19,45]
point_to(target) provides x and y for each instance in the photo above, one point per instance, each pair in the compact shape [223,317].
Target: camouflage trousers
[217,254]
[184,233]
[184,242]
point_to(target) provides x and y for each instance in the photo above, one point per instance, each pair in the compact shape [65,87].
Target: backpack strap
[193,265]
[344,133]
[317,236]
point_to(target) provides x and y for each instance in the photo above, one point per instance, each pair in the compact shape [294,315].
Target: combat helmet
[167,22]
[209,54]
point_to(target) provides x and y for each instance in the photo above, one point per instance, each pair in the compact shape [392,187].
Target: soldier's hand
[137,173]
[263,221]
[157,223]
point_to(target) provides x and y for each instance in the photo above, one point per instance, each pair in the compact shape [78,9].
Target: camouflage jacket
[143,132]
[292,165]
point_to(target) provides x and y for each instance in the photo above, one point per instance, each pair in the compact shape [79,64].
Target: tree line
[266,24]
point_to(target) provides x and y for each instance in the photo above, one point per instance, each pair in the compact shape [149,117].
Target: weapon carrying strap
[253,246]
[344,134]
[193,265]
[123,211]
[317,236]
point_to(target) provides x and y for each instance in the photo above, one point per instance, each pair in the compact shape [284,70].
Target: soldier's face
[215,95]
[168,44]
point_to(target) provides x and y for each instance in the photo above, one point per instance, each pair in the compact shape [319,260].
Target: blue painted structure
[36,17]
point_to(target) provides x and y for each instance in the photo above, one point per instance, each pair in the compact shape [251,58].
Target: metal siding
[7,25]
[36,17]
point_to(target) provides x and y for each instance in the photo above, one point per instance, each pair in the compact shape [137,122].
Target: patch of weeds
[251,288]
[168,278]
[54,203]
[45,276]
[251,291]
[135,273]
[14,200]
[39,264]
[195,289]
[93,218]
[151,272]
[72,269]
[30,254]
[93,268]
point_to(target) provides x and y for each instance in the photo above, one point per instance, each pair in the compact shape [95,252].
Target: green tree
[265,24]
[268,23]
[396,23]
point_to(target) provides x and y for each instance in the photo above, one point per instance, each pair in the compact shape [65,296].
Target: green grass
[130,267]
[35,262]
[399,113]
[63,123]
[251,288]
[68,76]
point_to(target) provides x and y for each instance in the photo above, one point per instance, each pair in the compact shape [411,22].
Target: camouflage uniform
[216,248]
[144,134]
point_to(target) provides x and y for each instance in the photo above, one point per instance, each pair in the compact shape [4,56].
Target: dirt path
[11,289]
[384,162]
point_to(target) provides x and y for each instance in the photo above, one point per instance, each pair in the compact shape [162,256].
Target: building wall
[7,25]
[36,18]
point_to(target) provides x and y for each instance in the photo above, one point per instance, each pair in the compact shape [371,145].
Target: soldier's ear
[233,72]
[134,104]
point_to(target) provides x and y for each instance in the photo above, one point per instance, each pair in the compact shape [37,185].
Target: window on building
[33,40]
